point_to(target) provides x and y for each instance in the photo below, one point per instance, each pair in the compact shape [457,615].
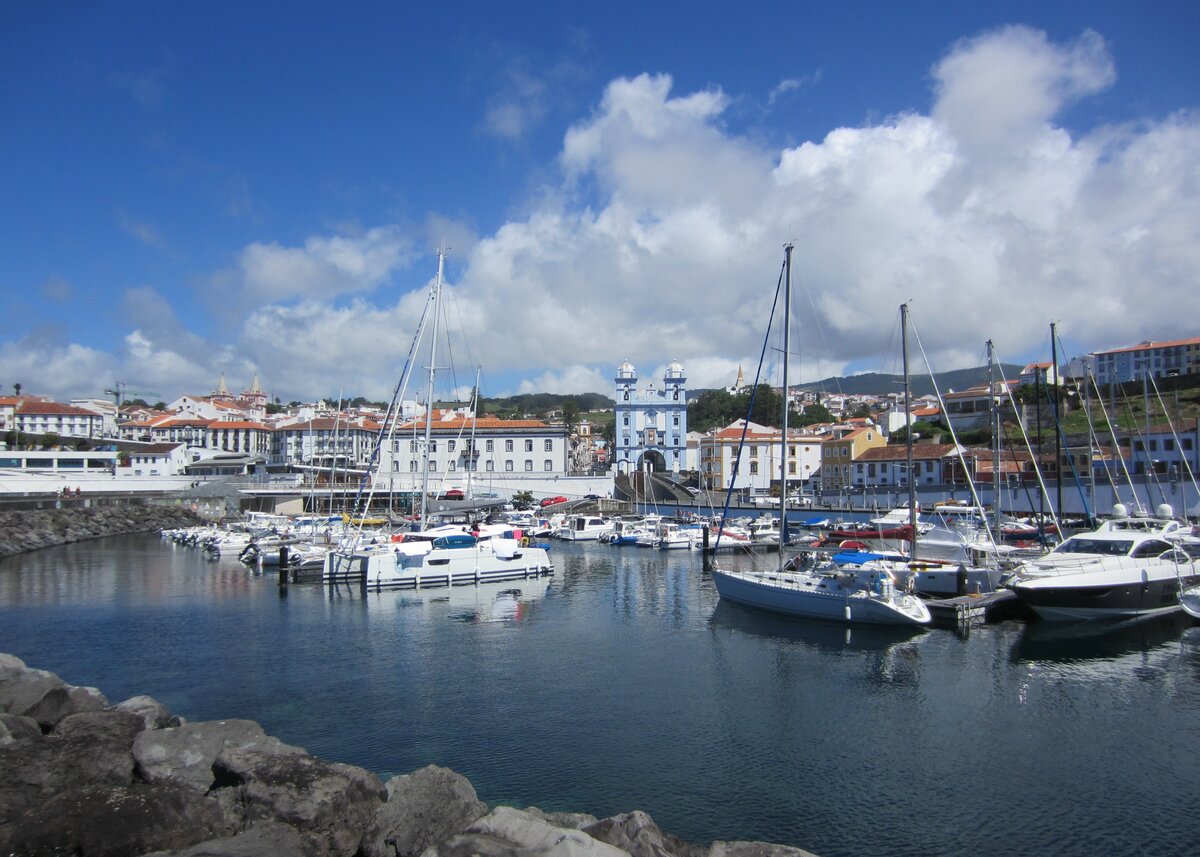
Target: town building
[651,424]
[838,455]
[1146,359]
[754,451]
[67,421]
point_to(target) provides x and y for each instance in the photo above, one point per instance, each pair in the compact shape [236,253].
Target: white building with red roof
[67,421]
[1146,359]
[757,460]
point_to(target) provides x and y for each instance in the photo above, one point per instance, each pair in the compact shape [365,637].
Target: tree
[927,431]
[813,414]
[570,415]
[50,440]
[522,499]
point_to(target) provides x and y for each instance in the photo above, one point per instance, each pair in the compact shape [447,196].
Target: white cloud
[662,238]
[325,267]
[140,230]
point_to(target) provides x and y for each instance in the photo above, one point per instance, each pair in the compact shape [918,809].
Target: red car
[550,501]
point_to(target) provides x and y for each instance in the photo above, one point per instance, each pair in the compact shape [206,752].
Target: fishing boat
[809,588]
[434,557]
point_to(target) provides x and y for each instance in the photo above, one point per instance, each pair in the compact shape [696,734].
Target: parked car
[551,501]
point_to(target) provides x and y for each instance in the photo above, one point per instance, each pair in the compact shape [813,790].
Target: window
[549,465]
[450,466]
[451,444]
[432,466]
[412,466]
[549,446]
[528,445]
[490,446]
[753,468]
[625,420]
[529,464]
[508,466]
[491,465]
[675,420]
[508,445]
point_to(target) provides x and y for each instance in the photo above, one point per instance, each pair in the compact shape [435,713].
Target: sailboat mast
[437,299]
[787,351]
[1058,507]
[995,418]
[908,440]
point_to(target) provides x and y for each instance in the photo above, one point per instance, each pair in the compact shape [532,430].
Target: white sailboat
[437,557]
[866,595]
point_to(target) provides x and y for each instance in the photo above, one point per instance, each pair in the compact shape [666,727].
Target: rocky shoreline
[34,529]
[82,777]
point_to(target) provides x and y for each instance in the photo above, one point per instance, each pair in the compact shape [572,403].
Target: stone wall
[28,530]
[82,777]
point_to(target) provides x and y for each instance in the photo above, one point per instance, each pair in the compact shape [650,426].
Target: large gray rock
[269,839]
[508,832]
[93,749]
[636,833]
[423,808]
[331,804]
[10,665]
[14,727]
[113,821]
[42,695]
[154,714]
[755,849]
[574,820]
[185,754]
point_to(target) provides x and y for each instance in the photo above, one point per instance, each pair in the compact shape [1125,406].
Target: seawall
[32,529]
[83,777]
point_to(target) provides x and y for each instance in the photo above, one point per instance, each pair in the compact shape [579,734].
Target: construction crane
[120,393]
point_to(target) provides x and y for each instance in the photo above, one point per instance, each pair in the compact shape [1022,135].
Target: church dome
[626,370]
[675,369]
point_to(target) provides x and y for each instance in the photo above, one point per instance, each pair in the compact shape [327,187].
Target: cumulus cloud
[325,267]
[661,238]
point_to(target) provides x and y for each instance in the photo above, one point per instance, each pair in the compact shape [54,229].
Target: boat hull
[448,567]
[1064,599]
[791,595]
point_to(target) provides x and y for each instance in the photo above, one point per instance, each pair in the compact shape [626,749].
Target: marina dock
[964,609]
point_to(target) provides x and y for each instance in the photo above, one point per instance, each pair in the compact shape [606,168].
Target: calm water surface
[623,683]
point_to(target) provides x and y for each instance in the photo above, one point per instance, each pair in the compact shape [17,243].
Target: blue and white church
[651,424]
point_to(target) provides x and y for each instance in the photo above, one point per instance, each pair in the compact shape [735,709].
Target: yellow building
[838,455]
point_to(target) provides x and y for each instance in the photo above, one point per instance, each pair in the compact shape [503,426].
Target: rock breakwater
[80,776]
[29,530]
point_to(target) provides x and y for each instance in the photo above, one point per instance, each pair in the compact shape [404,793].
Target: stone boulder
[154,714]
[14,727]
[88,749]
[755,849]
[508,832]
[331,804]
[573,820]
[113,821]
[185,754]
[269,839]
[636,833]
[422,809]
[44,696]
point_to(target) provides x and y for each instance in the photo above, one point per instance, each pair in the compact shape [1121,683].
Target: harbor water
[622,683]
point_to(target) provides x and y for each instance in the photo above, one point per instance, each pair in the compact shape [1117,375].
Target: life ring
[524,541]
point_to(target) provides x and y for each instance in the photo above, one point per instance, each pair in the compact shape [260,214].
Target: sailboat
[866,595]
[441,556]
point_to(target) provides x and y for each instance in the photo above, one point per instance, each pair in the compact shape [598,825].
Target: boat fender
[525,541]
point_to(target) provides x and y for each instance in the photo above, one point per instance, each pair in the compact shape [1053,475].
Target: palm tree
[16,389]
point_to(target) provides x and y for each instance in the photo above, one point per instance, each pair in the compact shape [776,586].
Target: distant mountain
[920,383]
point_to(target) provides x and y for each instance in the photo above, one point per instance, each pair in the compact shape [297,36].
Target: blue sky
[198,189]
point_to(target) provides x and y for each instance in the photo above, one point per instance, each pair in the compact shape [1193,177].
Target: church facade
[651,423]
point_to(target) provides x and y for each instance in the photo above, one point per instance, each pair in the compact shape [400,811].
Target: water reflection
[502,602]
[1093,640]
[826,636]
